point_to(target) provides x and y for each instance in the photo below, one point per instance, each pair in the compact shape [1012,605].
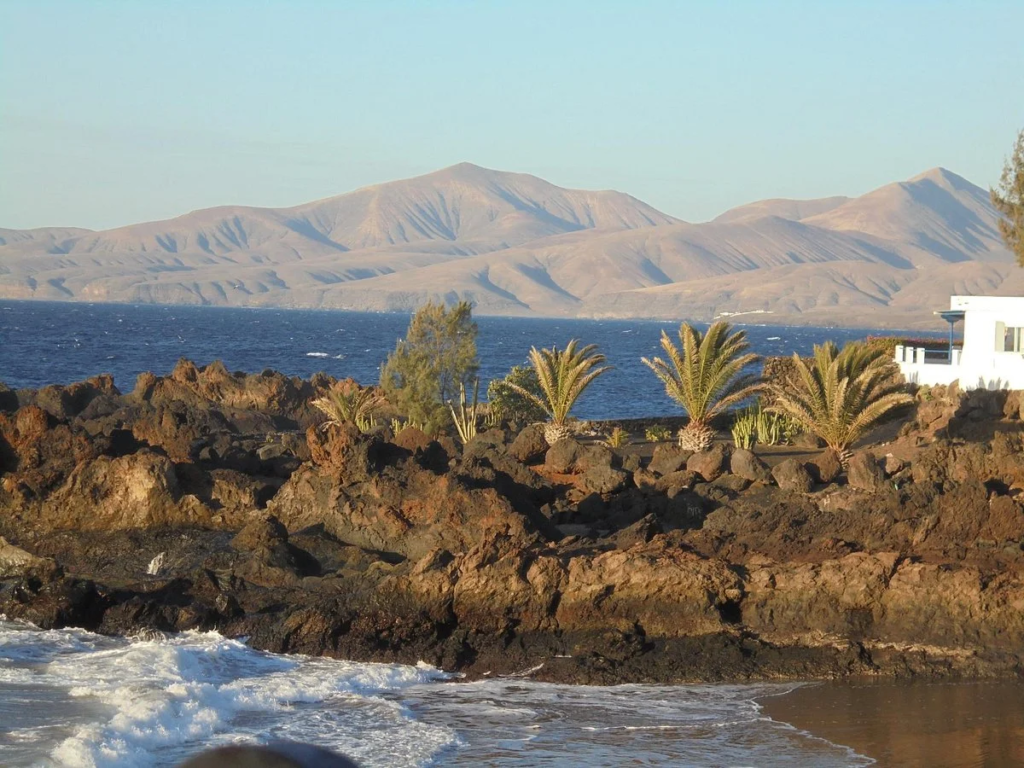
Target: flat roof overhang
[952,315]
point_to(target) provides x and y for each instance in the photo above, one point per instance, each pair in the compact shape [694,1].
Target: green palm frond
[704,374]
[351,405]
[563,376]
[839,394]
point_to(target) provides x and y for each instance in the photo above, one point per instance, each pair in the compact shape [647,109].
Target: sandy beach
[961,725]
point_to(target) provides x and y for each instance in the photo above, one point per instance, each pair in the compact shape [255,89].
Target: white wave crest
[168,697]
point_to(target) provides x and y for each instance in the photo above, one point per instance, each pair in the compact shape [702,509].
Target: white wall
[916,371]
[982,364]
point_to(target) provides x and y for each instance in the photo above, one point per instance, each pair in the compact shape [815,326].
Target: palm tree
[705,376]
[838,395]
[563,375]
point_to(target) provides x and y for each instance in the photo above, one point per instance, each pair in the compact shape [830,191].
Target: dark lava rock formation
[211,500]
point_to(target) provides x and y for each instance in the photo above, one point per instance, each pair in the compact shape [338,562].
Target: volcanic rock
[790,475]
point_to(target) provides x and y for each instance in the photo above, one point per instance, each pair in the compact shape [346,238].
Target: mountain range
[515,244]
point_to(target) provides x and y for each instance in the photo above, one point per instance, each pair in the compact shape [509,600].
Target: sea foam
[167,697]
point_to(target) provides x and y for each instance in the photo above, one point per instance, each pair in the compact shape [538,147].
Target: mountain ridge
[517,244]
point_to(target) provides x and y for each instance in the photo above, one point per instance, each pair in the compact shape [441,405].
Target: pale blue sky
[116,112]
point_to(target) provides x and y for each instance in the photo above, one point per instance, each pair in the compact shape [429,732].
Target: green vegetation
[465,418]
[744,430]
[1008,199]
[426,369]
[563,375]
[506,402]
[349,404]
[705,376]
[657,434]
[617,438]
[839,395]
[757,424]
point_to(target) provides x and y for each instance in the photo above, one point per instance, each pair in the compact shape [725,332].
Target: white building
[992,356]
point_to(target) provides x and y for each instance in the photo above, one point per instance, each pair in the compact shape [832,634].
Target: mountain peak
[943,177]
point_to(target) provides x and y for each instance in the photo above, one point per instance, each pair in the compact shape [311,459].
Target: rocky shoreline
[211,500]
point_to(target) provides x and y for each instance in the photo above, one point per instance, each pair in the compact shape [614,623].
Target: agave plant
[466,417]
[351,405]
[705,376]
[839,395]
[563,376]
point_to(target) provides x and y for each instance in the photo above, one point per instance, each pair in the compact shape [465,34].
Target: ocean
[58,343]
[71,698]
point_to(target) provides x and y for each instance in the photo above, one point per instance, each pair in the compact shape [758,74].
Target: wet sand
[913,724]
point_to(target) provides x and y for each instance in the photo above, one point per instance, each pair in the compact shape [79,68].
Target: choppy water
[57,343]
[72,698]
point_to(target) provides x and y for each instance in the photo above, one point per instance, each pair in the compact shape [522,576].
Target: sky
[118,112]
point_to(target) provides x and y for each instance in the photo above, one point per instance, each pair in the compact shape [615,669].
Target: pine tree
[1009,200]
[428,366]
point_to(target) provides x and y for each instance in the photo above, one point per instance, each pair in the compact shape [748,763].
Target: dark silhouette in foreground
[279,754]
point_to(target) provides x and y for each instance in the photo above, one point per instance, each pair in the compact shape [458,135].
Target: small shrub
[617,438]
[506,403]
[465,418]
[351,405]
[657,434]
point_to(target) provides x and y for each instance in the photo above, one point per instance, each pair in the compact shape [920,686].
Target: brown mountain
[515,244]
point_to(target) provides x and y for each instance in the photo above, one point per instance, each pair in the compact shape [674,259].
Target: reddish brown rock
[710,464]
[826,467]
[864,472]
[790,475]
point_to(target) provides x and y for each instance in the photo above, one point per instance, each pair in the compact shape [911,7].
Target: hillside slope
[516,244]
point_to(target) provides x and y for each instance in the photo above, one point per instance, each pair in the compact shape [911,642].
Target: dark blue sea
[58,343]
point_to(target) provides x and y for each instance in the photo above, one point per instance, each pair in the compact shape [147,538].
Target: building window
[1008,338]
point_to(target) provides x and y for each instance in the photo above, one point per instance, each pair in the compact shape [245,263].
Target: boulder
[342,449]
[731,483]
[592,457]
[791,475]
[747,465]
[640,532]
[631,462]
[893,465]
[864,472]
[710,464]
[668,457]
[674,482]
[561,457]
[412,439]
[645,480]
[17,563]
[263,531]
[825,467]
[529,444]
[603,479]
